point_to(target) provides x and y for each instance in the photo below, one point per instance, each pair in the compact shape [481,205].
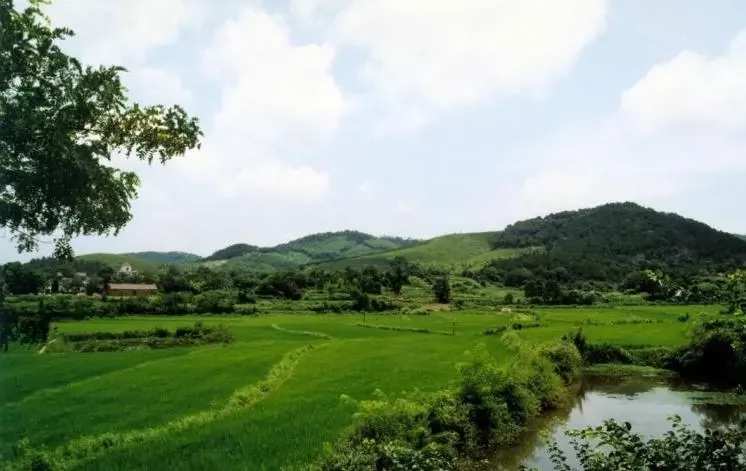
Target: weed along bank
[132,289]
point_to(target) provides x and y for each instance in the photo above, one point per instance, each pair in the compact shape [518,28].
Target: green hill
[117,260]
[454,251]
[165,257]
[610,241]
[232,251]
[313,248]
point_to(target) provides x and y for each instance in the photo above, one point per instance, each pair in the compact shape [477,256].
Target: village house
[126,269]
[131,289]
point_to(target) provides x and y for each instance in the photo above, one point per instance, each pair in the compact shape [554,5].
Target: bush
[499,330]
[565,358]
[442,290]
[486,406]
[198,334]
[606,353]
[245,298]
[716,353]
[614,446]
[214,302]
[657,357]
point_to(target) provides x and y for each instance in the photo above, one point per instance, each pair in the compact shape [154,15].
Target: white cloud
[673,128]
[426,58]
[691,92]
[152,85]
[123,32]
[367,191]
[274,178]
[276,96]
[277,89]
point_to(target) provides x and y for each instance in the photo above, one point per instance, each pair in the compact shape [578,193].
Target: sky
[419,118]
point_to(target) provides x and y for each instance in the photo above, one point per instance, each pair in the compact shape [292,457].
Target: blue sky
[419,118]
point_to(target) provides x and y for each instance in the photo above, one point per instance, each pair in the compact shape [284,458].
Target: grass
[160,406]
[455,251]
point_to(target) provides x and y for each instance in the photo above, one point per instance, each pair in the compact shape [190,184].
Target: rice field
[181,408]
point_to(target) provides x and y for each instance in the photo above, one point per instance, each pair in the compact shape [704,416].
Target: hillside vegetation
[117,260]
[165,257]
[454,251]
[309,249]
[608,242]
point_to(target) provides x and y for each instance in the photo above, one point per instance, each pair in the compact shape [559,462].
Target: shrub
[565,358]
[657,357]
[606,353]
[499,330]
[214,302]
[158,337]
[173,303]
[615,446]
[442,290]
[578,339]
[509,299]
[486,406]
[245,298]
[716,353]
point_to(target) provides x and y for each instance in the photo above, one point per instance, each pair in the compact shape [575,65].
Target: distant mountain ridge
[312,248]
[165,257]
[602,242]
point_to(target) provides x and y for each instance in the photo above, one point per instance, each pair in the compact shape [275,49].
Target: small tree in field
[442,290]
[61,124]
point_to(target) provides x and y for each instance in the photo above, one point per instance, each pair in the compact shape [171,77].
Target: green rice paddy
[176,408]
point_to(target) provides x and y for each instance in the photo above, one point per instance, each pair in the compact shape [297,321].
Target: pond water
[645,402]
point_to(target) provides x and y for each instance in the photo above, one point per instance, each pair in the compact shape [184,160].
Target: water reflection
[645,402]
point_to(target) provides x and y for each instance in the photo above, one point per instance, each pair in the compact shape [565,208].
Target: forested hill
[312,248]
[165,257]
[608,241]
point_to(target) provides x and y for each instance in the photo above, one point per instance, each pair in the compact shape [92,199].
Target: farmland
[163,397]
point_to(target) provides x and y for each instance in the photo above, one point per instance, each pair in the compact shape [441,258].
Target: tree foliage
[608,242]
[62,124]
[613,446]
[442,290]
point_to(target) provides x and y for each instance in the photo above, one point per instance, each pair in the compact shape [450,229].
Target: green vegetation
[454,252]
[615,446]
[609,242]
[304,411]
[257,357]
[64,184]
[166,258]
[309,249]
[115,261]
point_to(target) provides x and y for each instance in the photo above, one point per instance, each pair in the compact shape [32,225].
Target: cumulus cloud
[277,96]
[691,92]
[425,58]
[277,89]
[153,85]
[123,32]
[683,121]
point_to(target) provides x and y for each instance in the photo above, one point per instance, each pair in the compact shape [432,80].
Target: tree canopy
[62,123]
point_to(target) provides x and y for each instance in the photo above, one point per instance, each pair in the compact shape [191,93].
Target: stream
[645,402]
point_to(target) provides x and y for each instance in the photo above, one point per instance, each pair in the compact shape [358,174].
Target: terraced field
[270,399]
